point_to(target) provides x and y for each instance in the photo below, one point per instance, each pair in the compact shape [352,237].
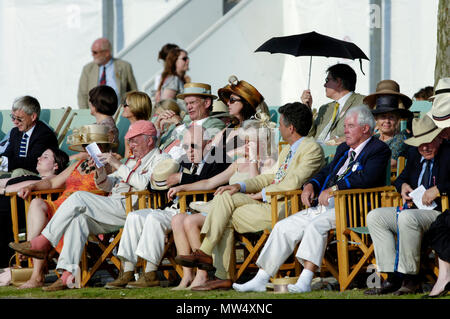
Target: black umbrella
[313,44]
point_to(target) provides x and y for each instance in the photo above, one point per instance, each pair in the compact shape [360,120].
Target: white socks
[128,266]
[303,283]
[258,283]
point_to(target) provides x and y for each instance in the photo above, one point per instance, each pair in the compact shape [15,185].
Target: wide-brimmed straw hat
[440,110]
[88,134]
[424,131]
[162,171]
[243,89]
[197,89]
[388,87]
[219,109]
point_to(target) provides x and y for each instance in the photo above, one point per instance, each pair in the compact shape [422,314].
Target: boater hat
[198,89]
[88,134]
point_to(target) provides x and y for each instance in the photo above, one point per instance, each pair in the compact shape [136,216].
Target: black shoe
[441,294]
[387,287]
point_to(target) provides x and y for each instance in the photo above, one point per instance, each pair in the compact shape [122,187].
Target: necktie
[194,168]
[282,169]
[103,77]
[327,129]
[332,181]
[426,175]
[23,146]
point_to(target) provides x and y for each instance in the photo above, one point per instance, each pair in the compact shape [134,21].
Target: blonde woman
[138,106]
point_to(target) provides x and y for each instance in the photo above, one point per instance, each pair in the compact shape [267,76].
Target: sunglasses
[193,146]
[233,100]
[18,119]
[125,105]
[185,58]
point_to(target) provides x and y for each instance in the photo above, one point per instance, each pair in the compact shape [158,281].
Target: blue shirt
[294,148]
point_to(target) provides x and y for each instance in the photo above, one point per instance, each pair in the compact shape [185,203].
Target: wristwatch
[334,188]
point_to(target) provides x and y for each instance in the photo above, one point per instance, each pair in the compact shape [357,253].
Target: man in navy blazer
[360,162]
[18,154]
[397,233]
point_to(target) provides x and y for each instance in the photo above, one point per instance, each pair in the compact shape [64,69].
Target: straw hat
[244,89]
[198,89]
[440,110]
[280,284]
[424,131]
[88,134]
[219,109]
[387,87]
[162,171]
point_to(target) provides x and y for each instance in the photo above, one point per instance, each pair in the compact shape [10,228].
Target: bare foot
[183,284]
[199,280]
[32,283]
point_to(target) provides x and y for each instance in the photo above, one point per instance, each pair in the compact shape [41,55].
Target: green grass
[167,293]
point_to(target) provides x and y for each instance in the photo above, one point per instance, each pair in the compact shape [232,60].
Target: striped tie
[103,77]
[23,146]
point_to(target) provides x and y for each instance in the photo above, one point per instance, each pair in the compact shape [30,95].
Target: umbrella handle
[309,77]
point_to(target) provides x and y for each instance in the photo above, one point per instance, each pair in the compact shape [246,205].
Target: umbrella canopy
[313,44]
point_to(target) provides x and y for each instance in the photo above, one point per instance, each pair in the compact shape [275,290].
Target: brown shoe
[197,259]
[26,250]
[121,281]
[216,283]
[408,287]
[56,286]
[149,279]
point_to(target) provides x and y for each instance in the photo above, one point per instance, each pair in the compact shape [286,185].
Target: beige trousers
[231,212]
[411,225]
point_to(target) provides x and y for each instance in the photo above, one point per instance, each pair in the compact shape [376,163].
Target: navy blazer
[42,138]
[440,174]
[369,170]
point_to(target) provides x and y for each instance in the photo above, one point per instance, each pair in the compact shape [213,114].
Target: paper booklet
[93,150]
[417,195]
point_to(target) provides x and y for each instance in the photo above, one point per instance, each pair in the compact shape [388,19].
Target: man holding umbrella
[328,126]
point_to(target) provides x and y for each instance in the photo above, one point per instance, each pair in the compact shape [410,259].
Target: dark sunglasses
[232,100]
[18,119]
[185,58]
[193,146]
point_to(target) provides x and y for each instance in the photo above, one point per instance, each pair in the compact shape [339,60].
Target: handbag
[19,275]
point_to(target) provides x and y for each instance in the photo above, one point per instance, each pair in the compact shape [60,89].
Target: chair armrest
[182,202]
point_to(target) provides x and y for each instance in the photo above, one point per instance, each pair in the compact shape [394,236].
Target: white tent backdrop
[45,43]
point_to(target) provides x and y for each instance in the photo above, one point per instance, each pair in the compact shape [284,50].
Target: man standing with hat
[199,102]
[83,213]
[145,230]
[427,166]
[328,125]
[389,106]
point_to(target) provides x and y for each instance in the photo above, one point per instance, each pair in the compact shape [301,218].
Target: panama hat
[424,131]
[242,88]
[219,109]
[440,109]
[387,87]
[198,89]
[88,134]
[161,172]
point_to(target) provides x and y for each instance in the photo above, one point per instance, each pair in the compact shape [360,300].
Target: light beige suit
[241,213]
[325,114]
[125,80]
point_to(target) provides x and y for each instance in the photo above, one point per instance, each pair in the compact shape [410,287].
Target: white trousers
[144,234]
[309,227]
[81,214]
[412,224]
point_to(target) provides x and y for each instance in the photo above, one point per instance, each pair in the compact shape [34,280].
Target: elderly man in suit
[328,125]
[28,139]
[145,230]
[84,213]
[244,207]
[427,166]
[357,164]
[105,70]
